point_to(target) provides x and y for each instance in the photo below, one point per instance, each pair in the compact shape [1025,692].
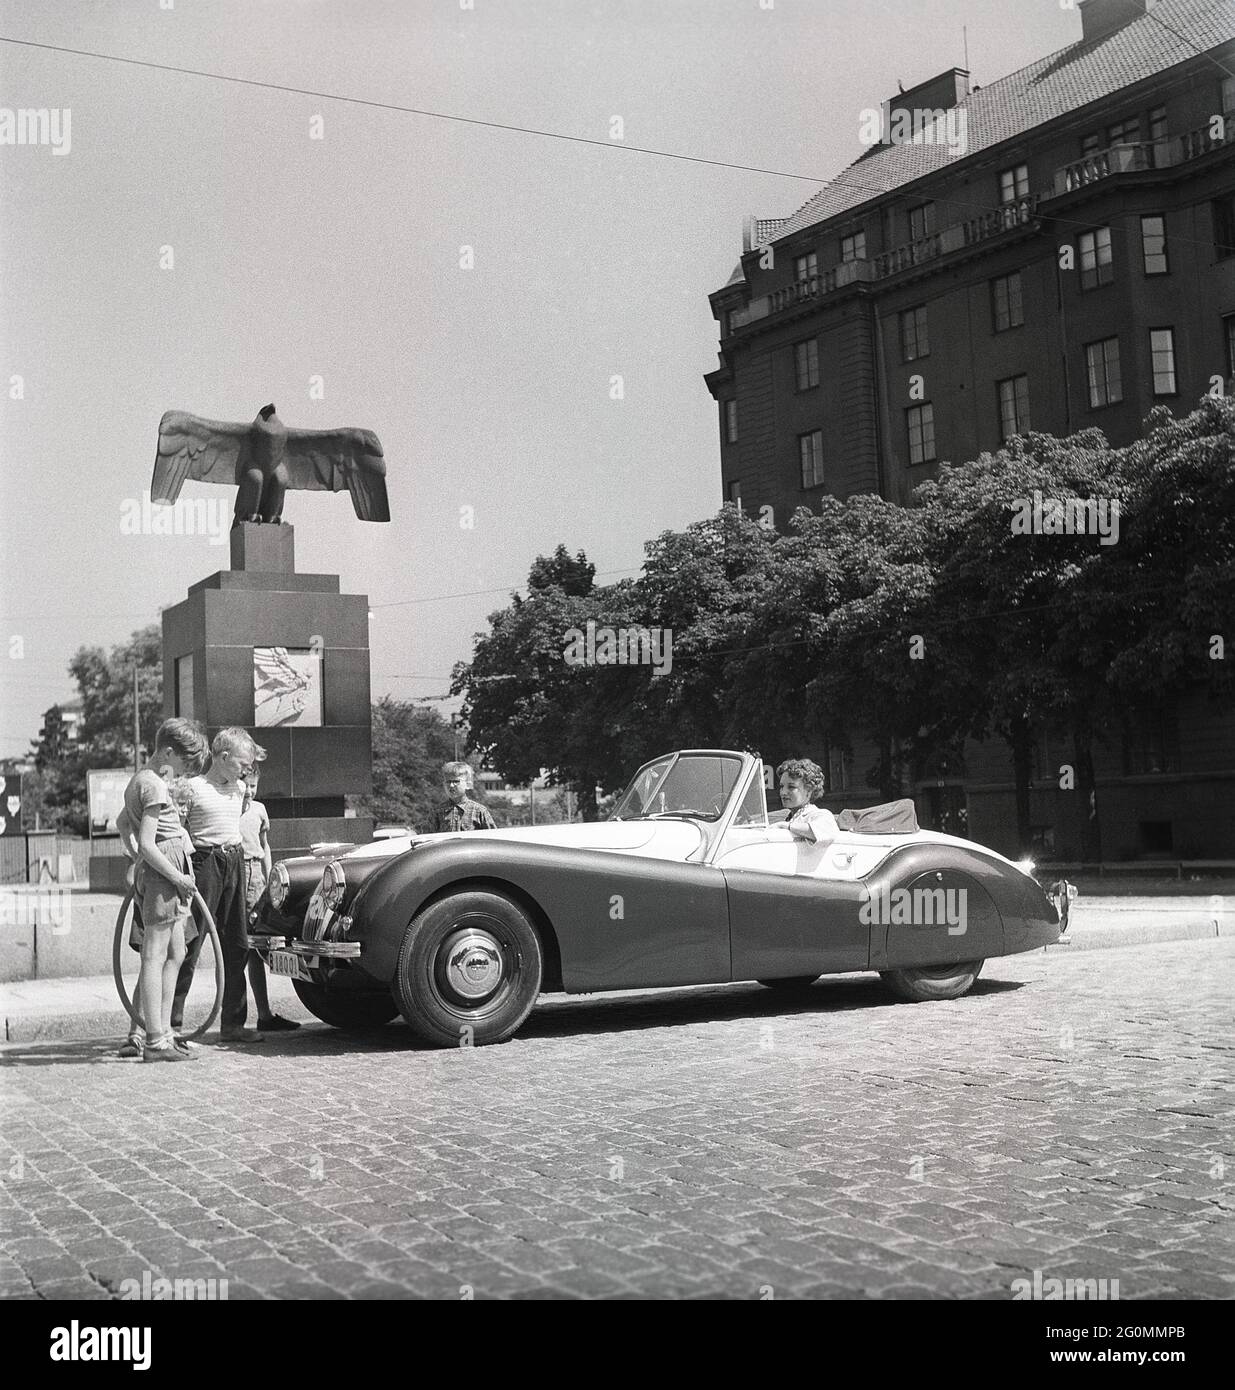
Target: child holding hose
[163,883]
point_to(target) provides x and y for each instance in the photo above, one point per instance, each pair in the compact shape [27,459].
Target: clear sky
[339,257]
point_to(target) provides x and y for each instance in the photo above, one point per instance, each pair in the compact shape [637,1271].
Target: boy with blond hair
[216,802]
[463,813]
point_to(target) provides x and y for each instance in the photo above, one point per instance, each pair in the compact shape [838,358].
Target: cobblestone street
[1071,1116]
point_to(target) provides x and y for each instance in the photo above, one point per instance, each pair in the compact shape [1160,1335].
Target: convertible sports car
[688,882]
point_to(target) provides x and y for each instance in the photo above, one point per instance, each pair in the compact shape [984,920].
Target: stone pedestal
[208,675]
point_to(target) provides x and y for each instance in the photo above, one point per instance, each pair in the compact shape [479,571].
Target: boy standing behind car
[255,842]
[463,813]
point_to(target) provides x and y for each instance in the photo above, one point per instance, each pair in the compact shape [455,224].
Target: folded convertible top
[890,818]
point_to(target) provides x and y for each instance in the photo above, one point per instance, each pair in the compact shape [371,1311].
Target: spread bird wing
[331,460]
[208,451]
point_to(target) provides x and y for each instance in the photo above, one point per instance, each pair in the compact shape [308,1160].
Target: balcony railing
[1196,143]
[809,287]
[1101,164]
[1144,154]
[924,248]
[1002,219]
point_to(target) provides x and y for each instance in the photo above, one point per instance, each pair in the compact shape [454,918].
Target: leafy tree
[528,709]
[573,576]
[1173,571]
[1015,609]
[105,738]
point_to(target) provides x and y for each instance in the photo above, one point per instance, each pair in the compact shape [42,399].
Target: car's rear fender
[989,908]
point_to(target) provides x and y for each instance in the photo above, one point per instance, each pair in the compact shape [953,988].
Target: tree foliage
[917,627]
[105,734]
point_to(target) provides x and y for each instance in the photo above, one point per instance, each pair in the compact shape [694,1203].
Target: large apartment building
[1053,250]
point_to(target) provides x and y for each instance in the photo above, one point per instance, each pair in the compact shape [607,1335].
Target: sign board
[105,794]
[11,806]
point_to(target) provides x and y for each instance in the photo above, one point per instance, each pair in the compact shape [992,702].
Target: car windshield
[696,784]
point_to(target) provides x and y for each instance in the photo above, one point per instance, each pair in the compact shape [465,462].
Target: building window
[733,494]
[731,422]
[810,456]
[1228,333]
[806,363]
[1162,354]
[1102,370]
[1224,226]
[1097,267]
[1124,132]
[1007,302]
[1013,406]
[853,248]
[1157,124]
[914,340]
[921,221]
[920,424]
[1153,244]
[806,267]
[1151,741]
[1014,184]
[1091,144]
[1228,96]
[730,322]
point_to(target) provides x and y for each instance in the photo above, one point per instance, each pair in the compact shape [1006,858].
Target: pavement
[1070,1118]
[87,1006]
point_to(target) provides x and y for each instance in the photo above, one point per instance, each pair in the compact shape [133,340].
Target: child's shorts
[254,885]
[156,901]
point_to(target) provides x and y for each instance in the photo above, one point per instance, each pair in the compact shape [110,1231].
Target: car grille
[316,918]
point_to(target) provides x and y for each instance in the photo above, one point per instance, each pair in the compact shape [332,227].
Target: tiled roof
[1051,87]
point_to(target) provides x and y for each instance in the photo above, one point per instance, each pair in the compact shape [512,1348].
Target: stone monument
[282,654]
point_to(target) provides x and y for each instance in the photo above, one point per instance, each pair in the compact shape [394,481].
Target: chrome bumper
[329,950]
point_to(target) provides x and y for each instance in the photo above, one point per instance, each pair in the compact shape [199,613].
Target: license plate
[288,963]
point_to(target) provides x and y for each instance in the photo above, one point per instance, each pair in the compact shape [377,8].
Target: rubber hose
[118,974]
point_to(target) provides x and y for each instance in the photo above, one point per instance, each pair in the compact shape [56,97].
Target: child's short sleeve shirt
[148,789]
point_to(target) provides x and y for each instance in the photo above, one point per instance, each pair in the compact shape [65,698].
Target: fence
[44,856]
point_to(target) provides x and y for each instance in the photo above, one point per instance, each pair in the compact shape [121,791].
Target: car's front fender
[619,920]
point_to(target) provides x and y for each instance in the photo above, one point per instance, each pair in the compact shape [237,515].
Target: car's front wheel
[350,1010]
[921,983]
[469,970]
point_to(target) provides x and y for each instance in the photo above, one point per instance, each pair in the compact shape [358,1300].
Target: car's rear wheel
[350,1010]
[921,983]
[790,982]
[469,970]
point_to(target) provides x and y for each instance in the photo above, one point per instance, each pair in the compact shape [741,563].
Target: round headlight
[334,884]
[277,888]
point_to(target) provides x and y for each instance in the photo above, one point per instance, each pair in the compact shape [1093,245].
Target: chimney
[1102,17]
[940,93]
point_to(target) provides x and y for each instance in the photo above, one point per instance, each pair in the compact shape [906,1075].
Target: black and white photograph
[618,670]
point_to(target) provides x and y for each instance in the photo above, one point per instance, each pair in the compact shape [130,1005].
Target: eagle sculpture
[264,459]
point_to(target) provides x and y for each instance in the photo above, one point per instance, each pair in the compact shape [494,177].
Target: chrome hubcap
[473,963]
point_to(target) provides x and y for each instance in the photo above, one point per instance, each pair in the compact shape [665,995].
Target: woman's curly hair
[803,770]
